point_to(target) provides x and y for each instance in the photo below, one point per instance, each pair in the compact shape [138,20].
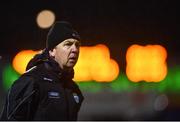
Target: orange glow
[146,63]
[21,60]
[95,64]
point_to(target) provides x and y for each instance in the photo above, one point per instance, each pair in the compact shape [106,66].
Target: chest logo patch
[76,97]
[53,94]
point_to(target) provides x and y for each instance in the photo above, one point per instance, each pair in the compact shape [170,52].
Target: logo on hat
[74,35]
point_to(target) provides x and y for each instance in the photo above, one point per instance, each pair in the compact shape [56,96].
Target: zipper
[18,104]
[67,105]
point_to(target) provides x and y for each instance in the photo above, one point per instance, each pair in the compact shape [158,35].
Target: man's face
[66,53]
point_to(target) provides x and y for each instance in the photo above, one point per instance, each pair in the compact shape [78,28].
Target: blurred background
[129,65]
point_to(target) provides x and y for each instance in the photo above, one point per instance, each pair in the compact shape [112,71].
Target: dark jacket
[45,92]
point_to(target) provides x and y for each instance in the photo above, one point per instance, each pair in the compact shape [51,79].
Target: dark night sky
[118,24]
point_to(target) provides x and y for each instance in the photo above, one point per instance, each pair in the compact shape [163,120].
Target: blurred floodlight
[21,60]
[9,75]
[45,19]
[146,63]
[94,63]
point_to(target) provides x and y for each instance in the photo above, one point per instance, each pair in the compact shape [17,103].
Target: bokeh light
[161,102]
[45,19]
[9,75]
[95,64]
[21,60]
[146,63]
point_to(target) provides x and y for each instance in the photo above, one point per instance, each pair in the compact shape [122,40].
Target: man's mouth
[72,58]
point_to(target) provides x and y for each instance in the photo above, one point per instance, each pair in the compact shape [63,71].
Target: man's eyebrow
[68,41]
[72,41]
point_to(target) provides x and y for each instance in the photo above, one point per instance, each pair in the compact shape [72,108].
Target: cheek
[61,55]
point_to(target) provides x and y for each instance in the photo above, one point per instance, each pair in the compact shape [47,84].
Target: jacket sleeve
[4,112]
[20,100]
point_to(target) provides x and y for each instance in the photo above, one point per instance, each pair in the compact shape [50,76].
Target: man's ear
[52,53]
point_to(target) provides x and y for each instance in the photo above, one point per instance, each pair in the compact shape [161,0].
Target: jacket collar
[51,65]
[54,67]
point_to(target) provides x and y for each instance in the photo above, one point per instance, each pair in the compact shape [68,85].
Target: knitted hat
[59,32]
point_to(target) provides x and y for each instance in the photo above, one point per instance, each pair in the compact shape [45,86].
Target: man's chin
[71,64]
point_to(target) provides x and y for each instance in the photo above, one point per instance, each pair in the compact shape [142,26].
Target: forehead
[71,40]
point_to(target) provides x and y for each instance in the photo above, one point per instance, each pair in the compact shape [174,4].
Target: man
[46,91]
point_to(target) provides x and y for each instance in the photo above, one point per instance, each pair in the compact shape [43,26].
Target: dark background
[117,24]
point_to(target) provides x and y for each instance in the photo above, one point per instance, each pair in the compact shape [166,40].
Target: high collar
[50,65]
[54,66]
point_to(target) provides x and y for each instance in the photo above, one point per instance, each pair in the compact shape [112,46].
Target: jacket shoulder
[21,91]
[22,86]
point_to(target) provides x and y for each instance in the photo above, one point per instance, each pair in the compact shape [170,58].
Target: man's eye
[78,44]
[68,44]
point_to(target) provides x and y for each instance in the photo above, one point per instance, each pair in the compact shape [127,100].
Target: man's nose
[75,48]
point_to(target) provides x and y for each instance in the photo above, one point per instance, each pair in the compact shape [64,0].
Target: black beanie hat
[60,31]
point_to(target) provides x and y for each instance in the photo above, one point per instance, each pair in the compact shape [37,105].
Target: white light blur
[161,102]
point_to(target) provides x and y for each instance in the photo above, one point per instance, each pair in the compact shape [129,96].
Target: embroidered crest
[53,94]
[76,97]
